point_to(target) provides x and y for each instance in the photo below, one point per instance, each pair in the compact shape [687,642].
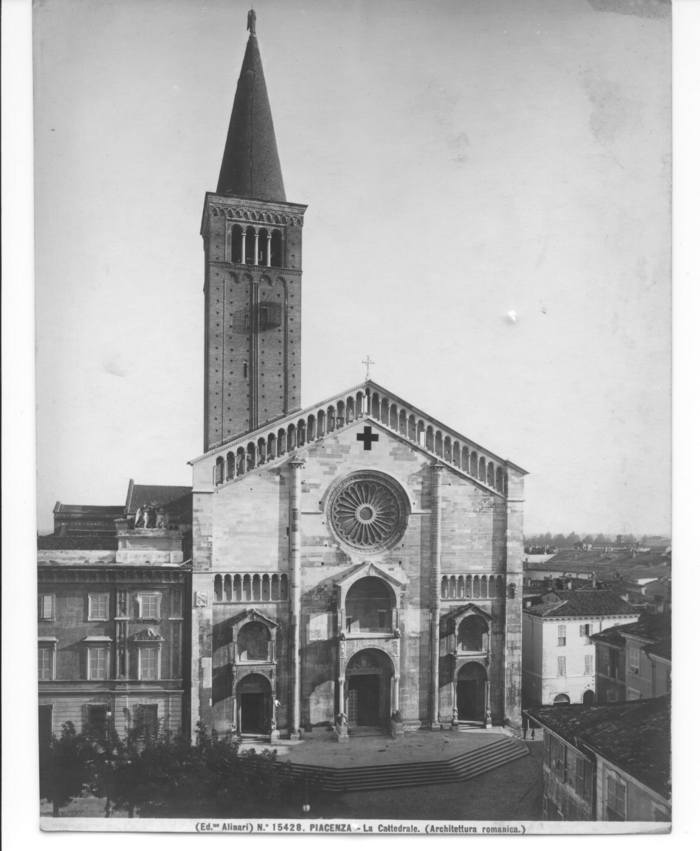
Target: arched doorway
[588,697]
[254,704]
[471,692]
[368,684]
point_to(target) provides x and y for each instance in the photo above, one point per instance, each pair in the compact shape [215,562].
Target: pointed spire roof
[251,164]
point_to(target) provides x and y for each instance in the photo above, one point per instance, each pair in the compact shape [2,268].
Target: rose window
[368,512]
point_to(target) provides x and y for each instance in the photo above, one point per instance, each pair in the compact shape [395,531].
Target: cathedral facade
[353,562]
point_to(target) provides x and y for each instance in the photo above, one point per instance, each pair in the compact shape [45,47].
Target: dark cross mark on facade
[367,437]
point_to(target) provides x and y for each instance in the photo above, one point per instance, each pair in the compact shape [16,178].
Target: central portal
[363,701]
[368,686]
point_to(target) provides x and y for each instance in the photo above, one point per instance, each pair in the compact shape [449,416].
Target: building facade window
[612,663]
[149,607]
[46,663]
[47,607]
[634,660]
[98,663]
[98,607]
[612,696]
[45,725]
[588,664]
[558,758]
[561,666]
[562,636]
[616,799]
[146,720]
[97,717]
[149,663]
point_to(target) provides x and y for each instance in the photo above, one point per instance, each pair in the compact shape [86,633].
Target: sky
[489,219]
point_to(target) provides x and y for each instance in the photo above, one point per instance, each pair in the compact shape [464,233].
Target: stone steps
[453,770]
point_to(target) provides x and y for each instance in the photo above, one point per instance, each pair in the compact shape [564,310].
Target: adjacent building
[113,609]
[559,659]
[607,762]
[633,661]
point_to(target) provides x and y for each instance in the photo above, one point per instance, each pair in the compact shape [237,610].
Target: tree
[166,776]
[65,767]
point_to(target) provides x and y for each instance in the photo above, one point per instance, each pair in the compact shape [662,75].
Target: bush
[66,767]
[167,776]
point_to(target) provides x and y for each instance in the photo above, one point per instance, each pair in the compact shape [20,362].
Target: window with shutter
[579,784]
[588,664]
[562,636]
[616,800]
[561,666]
[46,663]
[46,607]
[45,724]
[149,606]
[149,663]
[98,607]
[146,720]
[97,716]
[98,663]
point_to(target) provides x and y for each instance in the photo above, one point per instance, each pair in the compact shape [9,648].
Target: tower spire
[251,165]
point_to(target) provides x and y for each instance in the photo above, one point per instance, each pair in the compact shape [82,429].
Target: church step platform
[364,732]
[420,773]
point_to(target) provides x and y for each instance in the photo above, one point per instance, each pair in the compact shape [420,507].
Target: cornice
[245,214]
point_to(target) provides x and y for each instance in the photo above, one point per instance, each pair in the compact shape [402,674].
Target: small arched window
[250,246]
[219,471]
[276,249]
[236,244]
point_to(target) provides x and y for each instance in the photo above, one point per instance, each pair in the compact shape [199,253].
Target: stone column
[435,577]
[514,594]
[268,250]
[257,248]
[295,598]
[243,246]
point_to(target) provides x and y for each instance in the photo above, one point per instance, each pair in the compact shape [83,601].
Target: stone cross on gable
[367,362]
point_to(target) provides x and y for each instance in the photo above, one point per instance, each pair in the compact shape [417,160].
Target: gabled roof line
[265,429]
[276,462]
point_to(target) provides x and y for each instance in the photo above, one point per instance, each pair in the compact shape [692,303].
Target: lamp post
[306,806]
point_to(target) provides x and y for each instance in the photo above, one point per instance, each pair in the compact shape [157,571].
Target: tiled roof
[72,542]
[662,648]
[651,627]
[582,603]
[635,736]
[110,510]
[611,635]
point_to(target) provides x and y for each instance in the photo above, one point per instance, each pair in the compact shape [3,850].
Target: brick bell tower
[252,287]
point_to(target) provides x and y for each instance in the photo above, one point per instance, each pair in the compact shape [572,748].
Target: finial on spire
[251,21]
[367,362]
